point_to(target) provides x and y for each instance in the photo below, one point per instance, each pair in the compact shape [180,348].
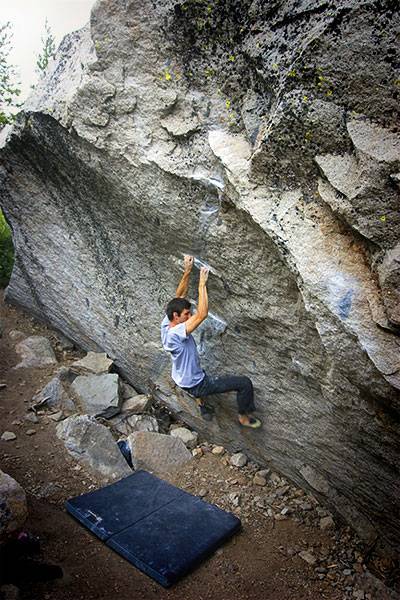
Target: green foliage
[6,252]
[48,50]
[9,89]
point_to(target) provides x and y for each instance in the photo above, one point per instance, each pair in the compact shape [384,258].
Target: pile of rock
[96,408]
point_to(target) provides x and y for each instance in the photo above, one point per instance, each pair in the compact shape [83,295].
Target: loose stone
[259,480]
[308,557]
[58,416]
[8,436]
[197,452]
[265,473]
[238,460]
[234,498]
[326,523]
[189,438]
[218,450]
[32,417]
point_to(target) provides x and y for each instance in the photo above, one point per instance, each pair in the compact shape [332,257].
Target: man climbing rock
[176,336]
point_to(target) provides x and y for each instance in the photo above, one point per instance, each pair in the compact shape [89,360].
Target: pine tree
[48,50]
[9,89]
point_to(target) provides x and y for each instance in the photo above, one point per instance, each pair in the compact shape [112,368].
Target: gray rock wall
[262,139]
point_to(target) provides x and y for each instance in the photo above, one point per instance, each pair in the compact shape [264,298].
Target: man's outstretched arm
[182,289]
[202,308]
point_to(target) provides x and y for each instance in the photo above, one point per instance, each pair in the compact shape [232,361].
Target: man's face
[184,316]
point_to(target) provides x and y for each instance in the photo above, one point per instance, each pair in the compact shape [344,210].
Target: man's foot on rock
[251,422]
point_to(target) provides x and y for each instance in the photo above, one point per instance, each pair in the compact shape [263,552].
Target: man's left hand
[188,262]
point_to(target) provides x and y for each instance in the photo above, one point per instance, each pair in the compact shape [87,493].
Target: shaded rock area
[262,138]
[13,507]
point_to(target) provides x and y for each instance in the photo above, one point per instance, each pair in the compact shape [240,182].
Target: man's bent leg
[228,383]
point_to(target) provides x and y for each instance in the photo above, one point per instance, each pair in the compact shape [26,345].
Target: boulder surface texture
[261,138]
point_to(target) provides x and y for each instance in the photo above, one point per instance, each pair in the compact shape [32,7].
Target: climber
[176,329]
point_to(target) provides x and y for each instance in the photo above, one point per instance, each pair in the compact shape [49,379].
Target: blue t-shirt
[186,369]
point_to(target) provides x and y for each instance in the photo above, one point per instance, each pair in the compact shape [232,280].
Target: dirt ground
[262,562]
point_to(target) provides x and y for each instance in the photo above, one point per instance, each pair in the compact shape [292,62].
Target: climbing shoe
[253,423]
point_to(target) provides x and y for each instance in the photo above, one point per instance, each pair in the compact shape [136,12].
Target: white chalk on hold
[208,211]
[200,263]
[217,183]
[219,324]
[202,176]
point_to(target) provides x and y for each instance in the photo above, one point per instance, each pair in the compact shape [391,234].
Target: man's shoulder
[178,330]
[165,322]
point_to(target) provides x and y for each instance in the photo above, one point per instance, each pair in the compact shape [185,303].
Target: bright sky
[27,18]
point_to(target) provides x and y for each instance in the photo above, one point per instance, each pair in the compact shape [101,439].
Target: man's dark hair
[177,305]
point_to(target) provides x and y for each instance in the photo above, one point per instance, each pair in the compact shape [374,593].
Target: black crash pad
[162,530]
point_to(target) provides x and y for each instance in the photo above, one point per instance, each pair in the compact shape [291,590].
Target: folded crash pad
[162,530]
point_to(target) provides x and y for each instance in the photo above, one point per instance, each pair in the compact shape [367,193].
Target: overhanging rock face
[260,138]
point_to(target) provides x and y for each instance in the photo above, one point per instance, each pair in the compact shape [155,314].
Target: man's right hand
[202,306]
[188,262]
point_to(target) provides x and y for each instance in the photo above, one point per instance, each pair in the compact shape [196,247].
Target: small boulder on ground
[35,351]
[93,362]
[137,404]
[98,395]
[93,445]
[189,438]
[53,395]
[157,452]
[13,507]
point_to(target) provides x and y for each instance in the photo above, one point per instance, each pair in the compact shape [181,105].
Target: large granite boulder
[260,137]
